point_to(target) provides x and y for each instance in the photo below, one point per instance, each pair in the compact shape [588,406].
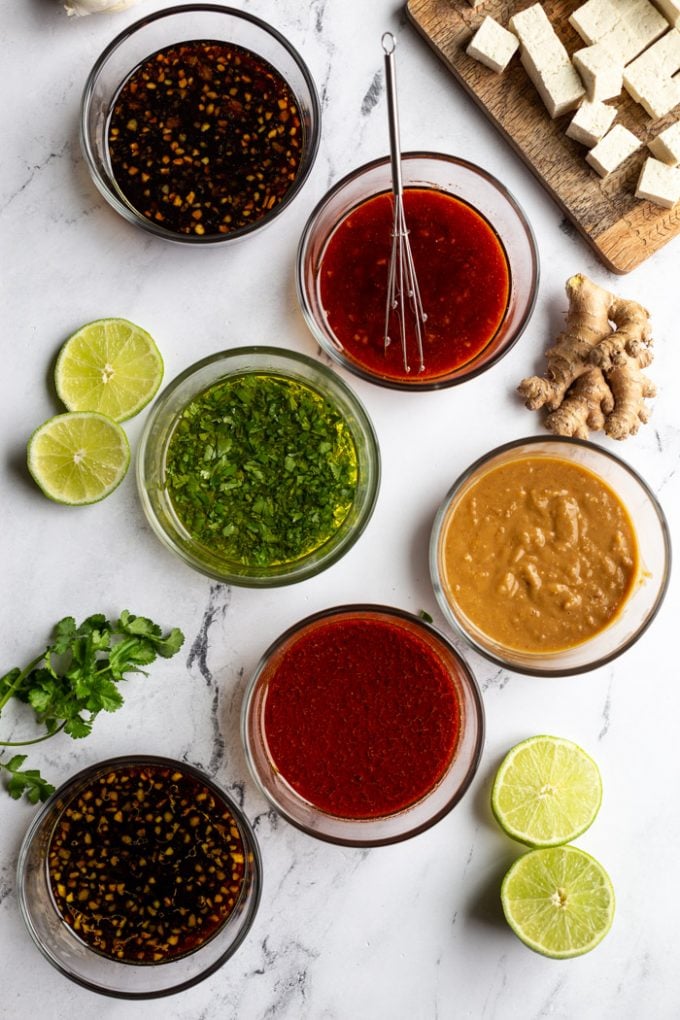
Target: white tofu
[493,45]
[558,85]
[666,145]
[591,122]
[613,150]
[546,61]
[670,10]
[600,73]
[594,19]
[663,57]
[534,30]
[649,79]
[624,27]
[657,95]
[659,183]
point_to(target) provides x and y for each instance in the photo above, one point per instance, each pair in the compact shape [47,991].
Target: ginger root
[594,378]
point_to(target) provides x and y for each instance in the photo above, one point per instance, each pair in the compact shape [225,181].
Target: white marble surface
[412,932]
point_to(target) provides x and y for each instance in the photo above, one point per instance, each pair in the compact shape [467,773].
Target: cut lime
[78,458]
[547,791]
[559,901]
[110,366]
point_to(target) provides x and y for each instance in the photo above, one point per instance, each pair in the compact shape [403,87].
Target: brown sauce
[146,863]
[205,138]
[539,555]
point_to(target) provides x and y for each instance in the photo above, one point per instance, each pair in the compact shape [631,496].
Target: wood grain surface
[622,229]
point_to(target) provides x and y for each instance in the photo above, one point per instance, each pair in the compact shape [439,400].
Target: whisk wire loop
[402,281]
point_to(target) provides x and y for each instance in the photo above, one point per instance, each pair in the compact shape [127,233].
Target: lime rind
[547,791]
[78,458]
[110,366]
[559,901]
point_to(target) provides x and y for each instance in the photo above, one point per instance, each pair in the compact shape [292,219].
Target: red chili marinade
[462,273]
[361,717]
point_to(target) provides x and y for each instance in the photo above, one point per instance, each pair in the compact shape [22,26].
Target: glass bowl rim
[547,671]
[335,353]
[467,675]
[90,771]
[128,212]
[298,572]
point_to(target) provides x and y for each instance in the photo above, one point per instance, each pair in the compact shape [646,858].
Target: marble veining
[408,932]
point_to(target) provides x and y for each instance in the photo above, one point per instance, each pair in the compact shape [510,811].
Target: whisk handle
[389,44]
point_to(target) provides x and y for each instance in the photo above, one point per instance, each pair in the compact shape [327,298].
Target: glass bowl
[649,584]
[441,173]
[183,24]
[157,435]
[88,966]
[377,638]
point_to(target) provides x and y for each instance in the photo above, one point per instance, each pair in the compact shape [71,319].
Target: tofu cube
[594,19]
[659,183]
[666,145]
[609,153]
[493,45]
[624,27]
[649,79]
[546,61]
[600,73]
[663,58]
[591,122]
[670,10]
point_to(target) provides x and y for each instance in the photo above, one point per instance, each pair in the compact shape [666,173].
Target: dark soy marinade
[146,864]
[205,138]
[361,718]
[462,273]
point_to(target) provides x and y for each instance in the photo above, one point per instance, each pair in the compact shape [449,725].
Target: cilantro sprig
[75,679]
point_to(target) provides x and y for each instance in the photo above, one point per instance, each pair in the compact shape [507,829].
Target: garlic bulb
[82,7]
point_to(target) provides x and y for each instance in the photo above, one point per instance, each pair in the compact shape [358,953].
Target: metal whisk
[402,281]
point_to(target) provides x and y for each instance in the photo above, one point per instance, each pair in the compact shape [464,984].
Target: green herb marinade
[261,469]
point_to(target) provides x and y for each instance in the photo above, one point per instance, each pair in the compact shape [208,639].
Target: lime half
[559,901]
[110,366]
[547,791]
[78,458]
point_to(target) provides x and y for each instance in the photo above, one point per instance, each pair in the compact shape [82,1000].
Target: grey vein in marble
[373,94]
[218,603]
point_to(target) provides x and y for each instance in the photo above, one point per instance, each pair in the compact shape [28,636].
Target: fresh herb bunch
[262,469]
[75,679]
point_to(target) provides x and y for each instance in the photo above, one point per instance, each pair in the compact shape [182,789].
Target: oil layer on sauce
[361,717]
[539,554]
[146,864]
[462,273]
[261,469]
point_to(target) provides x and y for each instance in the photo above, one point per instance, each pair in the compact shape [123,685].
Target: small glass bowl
[654,551]
[440,172]
[165,28]
[78,961]
[390,828]
[153,446]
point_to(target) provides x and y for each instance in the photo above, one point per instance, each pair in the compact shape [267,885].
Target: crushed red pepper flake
[205,127]
[146,863]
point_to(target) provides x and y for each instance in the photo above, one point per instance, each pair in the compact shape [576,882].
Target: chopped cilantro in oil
[261,469]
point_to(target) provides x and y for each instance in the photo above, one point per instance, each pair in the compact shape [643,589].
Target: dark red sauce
[361,716]
[462,272]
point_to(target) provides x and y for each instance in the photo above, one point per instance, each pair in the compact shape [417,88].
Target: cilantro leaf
[26,782]
[76,678]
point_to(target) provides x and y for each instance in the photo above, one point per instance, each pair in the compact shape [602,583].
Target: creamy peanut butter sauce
[539,554]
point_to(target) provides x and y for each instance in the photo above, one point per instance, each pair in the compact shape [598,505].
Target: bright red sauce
[462,272]
[361,717]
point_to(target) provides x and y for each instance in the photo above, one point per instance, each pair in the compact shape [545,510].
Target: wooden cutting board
[623,230]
